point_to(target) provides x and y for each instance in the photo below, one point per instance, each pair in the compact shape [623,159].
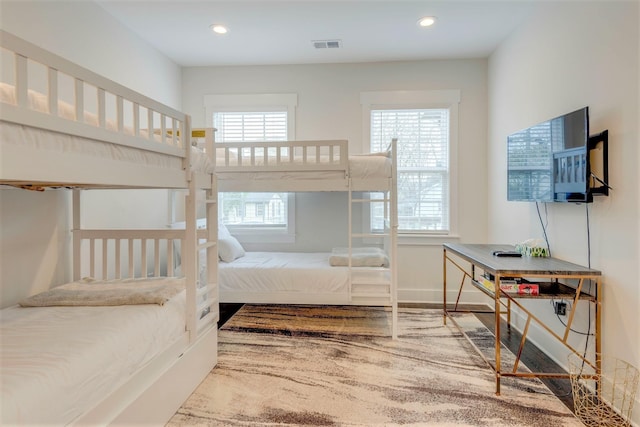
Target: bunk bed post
[75,230]
[189,254]
[212,236]
[209,135]
[350,231]
[186,146]
[394,238]
[191,234]
[212,221]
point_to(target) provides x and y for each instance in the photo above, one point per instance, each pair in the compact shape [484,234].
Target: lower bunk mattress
[284,278]
[57,363]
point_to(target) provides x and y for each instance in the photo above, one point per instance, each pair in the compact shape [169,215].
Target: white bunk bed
[309,278]
[95,365]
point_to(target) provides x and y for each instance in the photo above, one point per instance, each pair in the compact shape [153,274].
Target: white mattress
[58,362]
[283,272]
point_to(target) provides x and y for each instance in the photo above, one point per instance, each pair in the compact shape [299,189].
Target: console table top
[482,255]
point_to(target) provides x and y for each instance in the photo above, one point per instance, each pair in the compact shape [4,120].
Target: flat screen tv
[549,162]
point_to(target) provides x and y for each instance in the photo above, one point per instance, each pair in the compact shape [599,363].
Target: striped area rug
[337,366]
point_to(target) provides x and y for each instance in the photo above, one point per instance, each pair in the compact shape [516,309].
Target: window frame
[251,103]
[419,99]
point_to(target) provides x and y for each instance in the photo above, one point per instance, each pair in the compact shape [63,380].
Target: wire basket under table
[605,398]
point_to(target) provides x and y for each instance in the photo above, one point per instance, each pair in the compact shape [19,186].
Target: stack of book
[512,285]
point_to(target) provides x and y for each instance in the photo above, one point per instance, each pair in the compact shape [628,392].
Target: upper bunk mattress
[56,363]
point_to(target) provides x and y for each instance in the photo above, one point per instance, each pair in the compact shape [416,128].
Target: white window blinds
[423,164]
[249,127]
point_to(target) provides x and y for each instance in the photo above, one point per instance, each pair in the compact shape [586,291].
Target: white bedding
[39,139]
[283,272]
[58,362]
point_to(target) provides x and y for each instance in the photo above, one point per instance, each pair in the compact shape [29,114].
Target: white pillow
[229,248]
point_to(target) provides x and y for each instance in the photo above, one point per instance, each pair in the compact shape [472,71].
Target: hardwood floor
[532,356]
[226,311]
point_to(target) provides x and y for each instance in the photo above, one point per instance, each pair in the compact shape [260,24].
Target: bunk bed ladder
[202,283]
[376,285]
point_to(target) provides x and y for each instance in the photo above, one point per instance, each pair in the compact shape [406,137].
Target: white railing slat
[156,257]
[102,109]
[22,81]
[143,257]
[92,259]
[79,100]
[117,260]
[150,123]
[53,91]
[120,113]
[105,253]
[131,258]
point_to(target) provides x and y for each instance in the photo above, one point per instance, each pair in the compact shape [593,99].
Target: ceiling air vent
[327,44]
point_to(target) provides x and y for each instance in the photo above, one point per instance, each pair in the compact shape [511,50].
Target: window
[255,217]
[250,126]
[424,123]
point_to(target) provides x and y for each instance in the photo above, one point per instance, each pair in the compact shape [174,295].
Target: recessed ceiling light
[427,21]
[219,29]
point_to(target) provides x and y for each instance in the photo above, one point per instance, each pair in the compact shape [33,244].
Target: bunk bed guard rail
[114,114]
[266,156]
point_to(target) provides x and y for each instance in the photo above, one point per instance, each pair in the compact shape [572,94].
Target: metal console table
[553,274]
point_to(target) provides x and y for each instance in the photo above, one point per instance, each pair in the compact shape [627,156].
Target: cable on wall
[544,225]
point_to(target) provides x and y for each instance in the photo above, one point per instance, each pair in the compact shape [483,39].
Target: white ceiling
[281,32]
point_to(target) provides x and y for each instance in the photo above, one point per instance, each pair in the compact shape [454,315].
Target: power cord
[544,226]
[586,341]
[570,307]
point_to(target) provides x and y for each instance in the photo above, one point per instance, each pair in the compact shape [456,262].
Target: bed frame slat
[79,100]
[131,259]
[92,255]
[150,123]
[117,260]
[22,81]
[52,78]
[105,253]
[102,109]
[156,257]
[120,113]
[143,257]
[170,271]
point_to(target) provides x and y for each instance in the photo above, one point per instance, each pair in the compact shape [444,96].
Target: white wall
[329,108]
[34,230]
[566,56]
[34,227]
[84,33]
